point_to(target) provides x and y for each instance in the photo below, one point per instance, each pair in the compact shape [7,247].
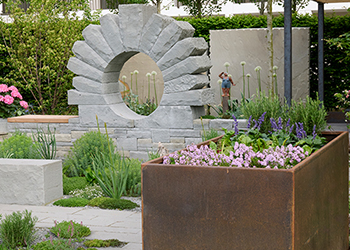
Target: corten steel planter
[306,207]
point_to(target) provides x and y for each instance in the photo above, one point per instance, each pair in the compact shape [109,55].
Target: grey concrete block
[191,46]
[141,134]
[83,69]
[94,38]
[30,182]
[177,139]
[185,83]
[191,65]
[127,144]
[83,84]
[74,120]
[172,147]
[218,124]
[197,111]
[198,97]
[190,141]
[151,31]
[201,123]
[242,123]
[185,132]
[141,155]
[161,135]
[76,97]
[118,62]
[88,113]
[111,33]
[85,53]
[174,32]
[167,117]
[133,17]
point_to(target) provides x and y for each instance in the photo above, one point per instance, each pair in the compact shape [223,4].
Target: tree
[296,4]
[199,8]
[114,4]
[39,42]
[158,4]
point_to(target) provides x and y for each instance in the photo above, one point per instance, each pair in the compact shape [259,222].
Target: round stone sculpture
[99,59]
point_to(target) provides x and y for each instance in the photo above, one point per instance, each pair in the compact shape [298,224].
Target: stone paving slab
[104,224]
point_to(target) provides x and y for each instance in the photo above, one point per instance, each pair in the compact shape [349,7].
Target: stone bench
[30,182]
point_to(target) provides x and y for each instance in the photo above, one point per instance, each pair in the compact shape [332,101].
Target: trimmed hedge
[336,71]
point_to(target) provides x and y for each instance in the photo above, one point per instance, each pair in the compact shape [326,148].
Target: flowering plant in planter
[283,147]
[11,102]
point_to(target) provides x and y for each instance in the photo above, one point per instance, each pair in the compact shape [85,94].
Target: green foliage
[153,155]
[310,113]
[46,143]
[111,203]
[199,8]
[73,183]
[19,146]
[70,229]
[89,192]
[233,109]
[60,244]
[39,42]
[104,243]
[337,75]
[72,202]
[17,229]
[209,134]
[84,150]
[145,108]
[260,104]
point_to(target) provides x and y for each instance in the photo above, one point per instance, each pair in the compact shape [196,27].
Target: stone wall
[132,142]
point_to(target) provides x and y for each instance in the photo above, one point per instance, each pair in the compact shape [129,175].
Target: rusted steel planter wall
[306,207]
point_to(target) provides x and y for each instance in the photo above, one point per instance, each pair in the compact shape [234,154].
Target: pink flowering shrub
[240,156]
[11,102]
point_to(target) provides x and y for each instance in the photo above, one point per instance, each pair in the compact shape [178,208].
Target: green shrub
[104,243]
[17,229]
[89,192]
[72,202]
[60,244]
[84,149]
[70,229]
[209,134]
[73,183]
[260,104]
[46,143]
[110,203]
[19,146]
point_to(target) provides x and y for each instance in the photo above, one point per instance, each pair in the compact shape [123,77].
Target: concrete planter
[306,207]
[3,126]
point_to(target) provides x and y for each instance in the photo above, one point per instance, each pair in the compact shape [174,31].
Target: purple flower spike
[280,126]
[273,124]
[288,123]
[314,133]
[249,122]
[291,129]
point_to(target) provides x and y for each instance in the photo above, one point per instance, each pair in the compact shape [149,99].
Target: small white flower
[219,81]
[229,75]
[124,78]
[154,73]
[148,74]
[131,73]
[275,67]
[243,63]
[274,74]
[136,71]
[248,75]
[258,68]
[227,64]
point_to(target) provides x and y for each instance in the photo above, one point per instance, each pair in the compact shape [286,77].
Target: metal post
[288,51]
[320,51]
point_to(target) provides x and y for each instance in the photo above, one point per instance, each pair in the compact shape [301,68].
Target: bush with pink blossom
[11,102]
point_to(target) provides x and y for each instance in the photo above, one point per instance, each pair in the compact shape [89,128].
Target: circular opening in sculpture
[141,84]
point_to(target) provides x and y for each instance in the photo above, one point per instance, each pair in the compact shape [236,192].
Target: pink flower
[16,94]
[3,88]
[13,88]
[8,99]
[24,104]
[1,98]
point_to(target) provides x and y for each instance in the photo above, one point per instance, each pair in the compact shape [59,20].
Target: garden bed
[196,207]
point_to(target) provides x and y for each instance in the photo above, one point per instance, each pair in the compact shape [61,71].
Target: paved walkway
[104,224]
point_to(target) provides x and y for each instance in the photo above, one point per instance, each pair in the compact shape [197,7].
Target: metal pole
[320,51]
[288,51]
